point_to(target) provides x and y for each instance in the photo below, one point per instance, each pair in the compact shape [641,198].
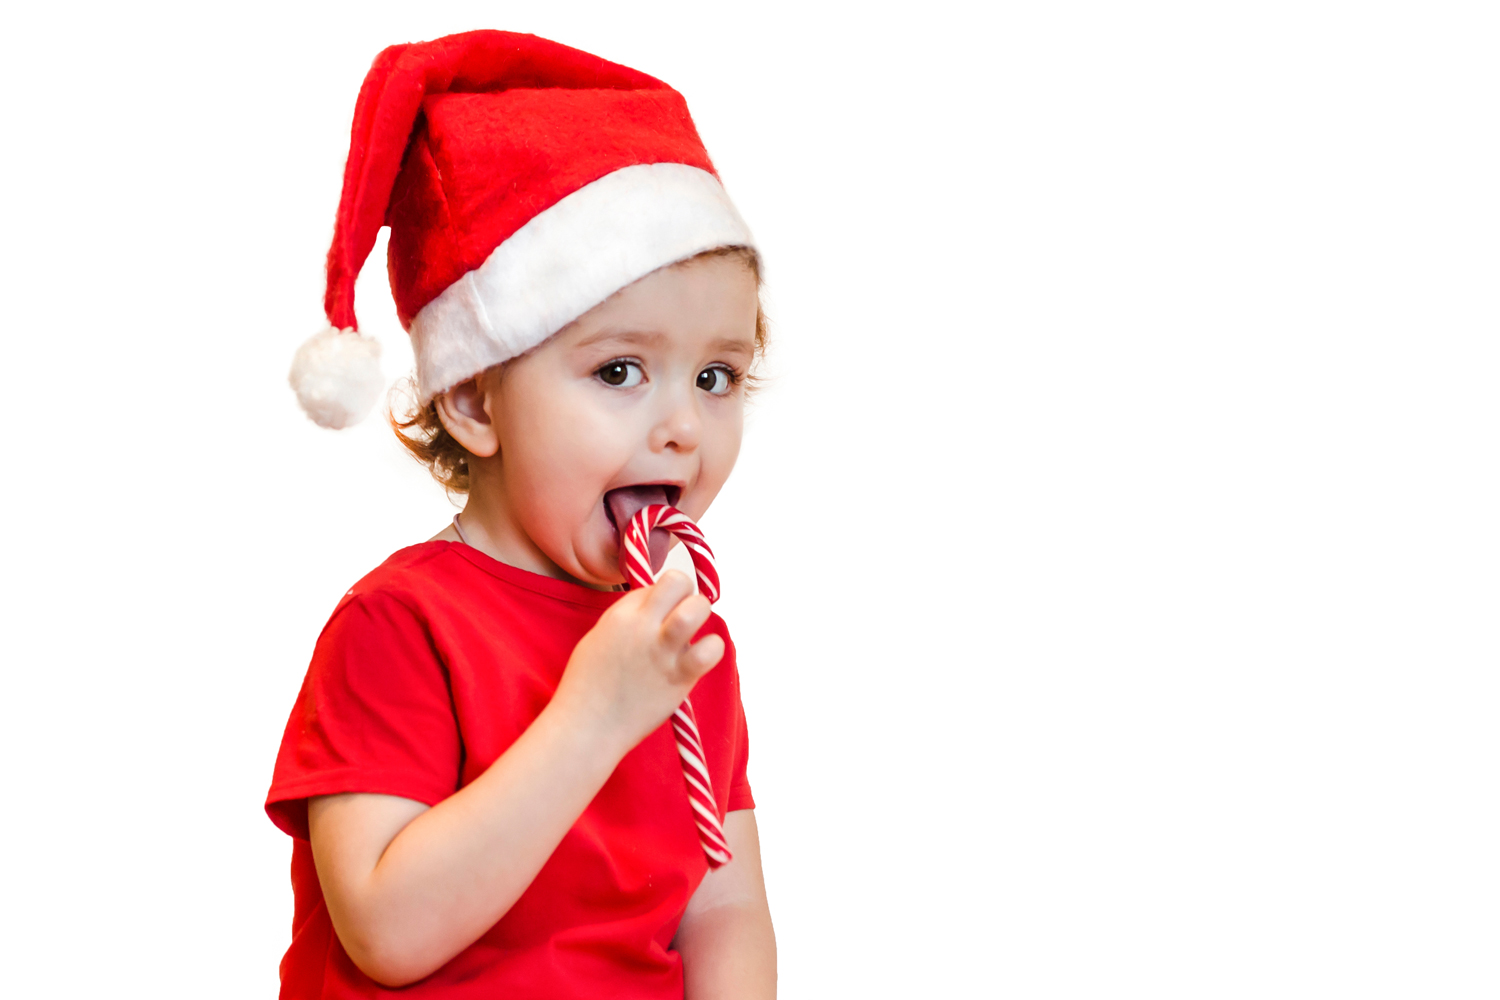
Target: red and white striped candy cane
[635,561]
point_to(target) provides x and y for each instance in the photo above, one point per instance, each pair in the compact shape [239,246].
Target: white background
[1113,557]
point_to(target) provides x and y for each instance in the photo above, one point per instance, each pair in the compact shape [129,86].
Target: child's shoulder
[407,575]
[413,564]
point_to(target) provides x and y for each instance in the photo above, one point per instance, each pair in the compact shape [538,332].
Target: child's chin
[603,569]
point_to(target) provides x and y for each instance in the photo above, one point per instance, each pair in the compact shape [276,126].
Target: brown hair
[422,433]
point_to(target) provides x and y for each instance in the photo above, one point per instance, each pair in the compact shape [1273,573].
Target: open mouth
[620,505]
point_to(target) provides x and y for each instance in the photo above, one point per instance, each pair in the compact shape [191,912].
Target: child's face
[644,388]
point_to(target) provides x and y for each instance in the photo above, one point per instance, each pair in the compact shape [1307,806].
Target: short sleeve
[740,796]
[375,714]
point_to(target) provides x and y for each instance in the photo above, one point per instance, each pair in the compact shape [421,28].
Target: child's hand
[638,663]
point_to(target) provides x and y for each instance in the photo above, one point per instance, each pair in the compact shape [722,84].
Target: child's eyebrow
[650,338]
[733,345]
[622,337]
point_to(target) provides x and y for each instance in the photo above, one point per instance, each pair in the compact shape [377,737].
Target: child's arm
[727,945]
[408,887]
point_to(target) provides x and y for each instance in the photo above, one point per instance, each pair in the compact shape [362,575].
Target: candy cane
[635,560]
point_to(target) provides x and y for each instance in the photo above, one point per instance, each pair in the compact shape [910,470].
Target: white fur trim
[336,375]
[567,260]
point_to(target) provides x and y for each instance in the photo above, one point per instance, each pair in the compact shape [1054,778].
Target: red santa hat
[524,183]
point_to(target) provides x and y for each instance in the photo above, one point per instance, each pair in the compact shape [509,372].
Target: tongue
[623,504]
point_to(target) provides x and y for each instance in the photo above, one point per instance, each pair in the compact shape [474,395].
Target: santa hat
[524,183]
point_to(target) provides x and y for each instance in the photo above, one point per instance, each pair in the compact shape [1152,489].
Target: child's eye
[621,374]
[715,380]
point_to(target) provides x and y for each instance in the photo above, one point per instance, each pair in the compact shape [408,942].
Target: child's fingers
[666,593]
[702,656]
[685,620]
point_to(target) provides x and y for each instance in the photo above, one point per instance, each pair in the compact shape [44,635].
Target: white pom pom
[336,375]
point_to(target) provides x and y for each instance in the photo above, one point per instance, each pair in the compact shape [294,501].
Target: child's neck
[490,526]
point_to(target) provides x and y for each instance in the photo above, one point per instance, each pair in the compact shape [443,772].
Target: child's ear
[462,411]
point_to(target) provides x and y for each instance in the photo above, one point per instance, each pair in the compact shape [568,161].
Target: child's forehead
[706,305]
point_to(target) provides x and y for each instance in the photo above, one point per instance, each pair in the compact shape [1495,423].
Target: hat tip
[336,376]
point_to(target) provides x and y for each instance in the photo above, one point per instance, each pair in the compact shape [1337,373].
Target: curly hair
[421,431]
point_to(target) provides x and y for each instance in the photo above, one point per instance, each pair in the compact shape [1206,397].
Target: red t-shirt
[428,670]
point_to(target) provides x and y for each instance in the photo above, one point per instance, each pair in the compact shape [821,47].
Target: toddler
[484,793]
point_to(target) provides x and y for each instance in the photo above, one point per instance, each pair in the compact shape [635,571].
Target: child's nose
[680,427]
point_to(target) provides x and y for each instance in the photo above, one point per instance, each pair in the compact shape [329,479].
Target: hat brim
[566,260]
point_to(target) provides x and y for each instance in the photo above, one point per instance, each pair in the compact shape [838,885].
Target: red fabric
[483,165]
[428,670]
[592,117]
